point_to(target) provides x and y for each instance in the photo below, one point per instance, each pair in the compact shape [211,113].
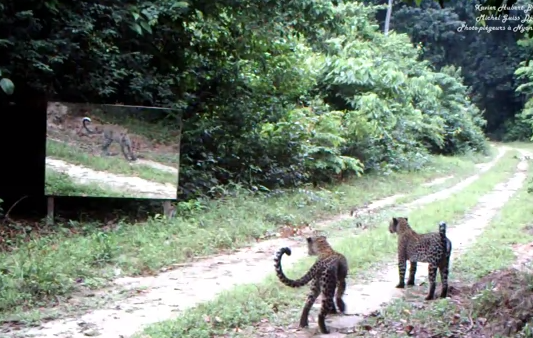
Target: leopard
[328,273]
[110,134]
[433,248]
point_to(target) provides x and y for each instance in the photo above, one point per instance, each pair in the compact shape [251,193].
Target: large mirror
[95,150]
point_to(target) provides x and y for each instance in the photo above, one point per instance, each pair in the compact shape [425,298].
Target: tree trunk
[387,18]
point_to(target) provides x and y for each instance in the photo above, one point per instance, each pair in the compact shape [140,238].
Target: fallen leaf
[409,329]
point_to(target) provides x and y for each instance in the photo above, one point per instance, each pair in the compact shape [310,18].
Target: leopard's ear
[406,219]
[309,239]
[394,221]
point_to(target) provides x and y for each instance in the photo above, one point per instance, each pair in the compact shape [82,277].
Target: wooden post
[168,209]
[50,211]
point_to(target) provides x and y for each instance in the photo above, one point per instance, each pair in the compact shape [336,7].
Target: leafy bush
[463,122]
[521,126]
[523,122]
[312,141]
[517,129]
[396,108]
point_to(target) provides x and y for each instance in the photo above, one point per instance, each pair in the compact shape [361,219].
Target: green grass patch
[44,269]
[60,184]
[520,145]
[462,171]
[113,164]
[248,304]
[490,296]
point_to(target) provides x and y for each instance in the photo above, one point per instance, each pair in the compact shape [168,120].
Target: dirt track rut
[130,186]
[172,292]
[371,296]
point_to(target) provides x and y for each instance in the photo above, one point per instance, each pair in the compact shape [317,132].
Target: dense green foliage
[496,64]
[523,127]
[488,57]
[271,93]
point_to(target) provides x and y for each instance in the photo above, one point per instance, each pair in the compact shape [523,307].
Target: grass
[521,145]
[113,164]
[165,131]
[488,258]
[463,170]
[60,184]
[50,268]
[248,304]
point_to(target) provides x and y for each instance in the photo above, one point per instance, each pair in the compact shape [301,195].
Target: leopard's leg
[401,270]
[444,272]
[412,273]
[311,298]
[432,274]
[329,283]
[341,288]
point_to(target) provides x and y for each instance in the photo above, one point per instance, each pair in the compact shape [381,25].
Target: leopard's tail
[281,275]
[442,231]
[445,241]
[84,121]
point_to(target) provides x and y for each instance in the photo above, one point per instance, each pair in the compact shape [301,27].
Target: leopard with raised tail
[327,273]
[433,248]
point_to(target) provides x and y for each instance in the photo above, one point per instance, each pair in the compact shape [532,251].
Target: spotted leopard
[327,273]
[433,248]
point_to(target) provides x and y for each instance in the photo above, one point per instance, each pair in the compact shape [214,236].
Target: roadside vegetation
[41,271]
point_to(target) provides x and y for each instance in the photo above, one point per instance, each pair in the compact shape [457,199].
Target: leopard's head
[397,224]
[317,245]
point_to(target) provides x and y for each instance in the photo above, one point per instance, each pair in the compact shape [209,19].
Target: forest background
[276,94]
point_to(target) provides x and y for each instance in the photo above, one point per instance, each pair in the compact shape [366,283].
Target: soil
[438,181]
[498,305]
[510,306]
